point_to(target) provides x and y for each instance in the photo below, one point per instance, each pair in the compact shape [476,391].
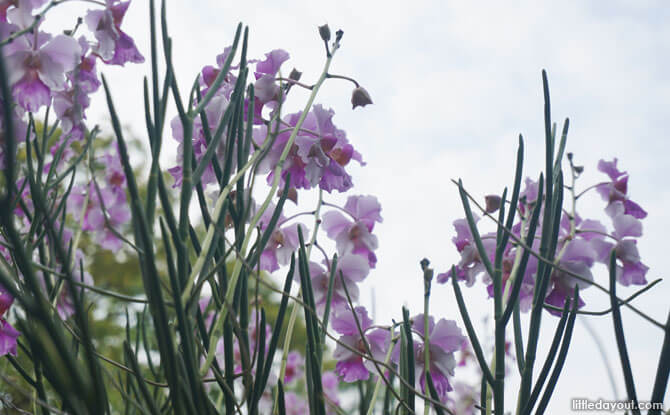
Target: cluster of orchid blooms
[318,159]
[581,244]
[58,73]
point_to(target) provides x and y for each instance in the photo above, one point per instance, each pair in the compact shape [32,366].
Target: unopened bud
[338,35]
[292,195]
[492,203]
[427,276]
[424,263]
[324,31]
[579,169]
[360,97]
[295,75]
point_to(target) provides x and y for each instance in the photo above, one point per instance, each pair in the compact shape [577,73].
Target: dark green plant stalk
[388,397]
[562,354]
[553,349]
[313,347]
[521,269]
[662,373]
[281,406]
[43,334]
[620,339]
[499,375]
[486,261]
[407,353]
[262,377]
[551,215]
[469,328]
[518,338]
[329,298]
[482,395]
[148,265]
[132,360]
[427,280]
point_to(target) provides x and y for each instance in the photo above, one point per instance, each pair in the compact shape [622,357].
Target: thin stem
[232,283]
[620,339]
[294,310]
[346,78]
[427,278]
[379,382]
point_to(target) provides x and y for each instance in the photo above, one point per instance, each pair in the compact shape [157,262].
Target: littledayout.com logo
[584,404]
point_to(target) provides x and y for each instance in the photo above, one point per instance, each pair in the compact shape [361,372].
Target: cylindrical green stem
[427,278]
[378,385]
[228,299]
[294,310]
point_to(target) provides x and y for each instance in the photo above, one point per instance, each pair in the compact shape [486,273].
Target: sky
[454,84]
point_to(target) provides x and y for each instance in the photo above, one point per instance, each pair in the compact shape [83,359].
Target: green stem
[294,310]
[378,385]
[223,312]
[427,278]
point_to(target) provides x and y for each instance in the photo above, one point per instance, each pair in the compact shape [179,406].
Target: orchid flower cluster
[581,242]
[213,330]
[317,156]
[58,72]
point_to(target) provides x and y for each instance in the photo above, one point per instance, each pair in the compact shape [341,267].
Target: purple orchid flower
[578,255]
[112,195]
[294,364]
[470,266]
[37,66]
[352,268]
[214,110]
[318,156]
[114,46]
[330,384]
[351,366]
[265,88]
[283,242]
[444,338]
[22,12]
[617,189]
[630,269]
[8,334]
[354,235]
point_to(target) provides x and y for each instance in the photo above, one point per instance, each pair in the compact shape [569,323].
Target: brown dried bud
[324,32]
[295,75]
[292,195]
[492,203]
[360,97]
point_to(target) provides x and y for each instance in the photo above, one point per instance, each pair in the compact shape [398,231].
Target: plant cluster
[234,266]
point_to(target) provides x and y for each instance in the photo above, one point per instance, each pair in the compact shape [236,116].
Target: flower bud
[338,35]
[360,97]
[324,31]
[292,194]
[492,203]
[295,75]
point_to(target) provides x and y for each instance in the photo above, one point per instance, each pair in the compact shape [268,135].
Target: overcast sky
[454,83]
